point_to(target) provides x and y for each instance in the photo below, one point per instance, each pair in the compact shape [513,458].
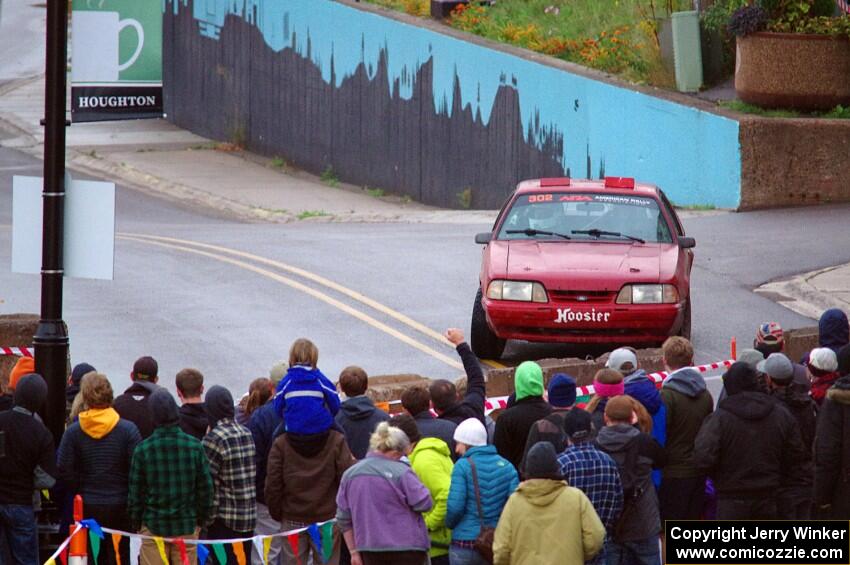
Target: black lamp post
[51,338]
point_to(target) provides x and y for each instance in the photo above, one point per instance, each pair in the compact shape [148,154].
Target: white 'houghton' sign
[89,227]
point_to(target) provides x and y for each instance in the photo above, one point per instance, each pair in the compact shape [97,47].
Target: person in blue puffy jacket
[305,398]
[497,480]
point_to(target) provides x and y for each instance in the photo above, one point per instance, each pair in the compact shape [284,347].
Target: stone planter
[790,70]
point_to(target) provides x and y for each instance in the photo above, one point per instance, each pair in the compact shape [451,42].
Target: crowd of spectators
[547,482]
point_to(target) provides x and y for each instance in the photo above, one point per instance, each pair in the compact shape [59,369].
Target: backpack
[632,490]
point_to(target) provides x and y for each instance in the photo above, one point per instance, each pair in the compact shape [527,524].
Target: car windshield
[581,217]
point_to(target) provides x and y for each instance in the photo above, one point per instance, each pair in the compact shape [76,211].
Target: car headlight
[522,291]
[648,294]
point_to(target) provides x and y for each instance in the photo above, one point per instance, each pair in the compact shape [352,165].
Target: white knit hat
[471,432]
[823,358]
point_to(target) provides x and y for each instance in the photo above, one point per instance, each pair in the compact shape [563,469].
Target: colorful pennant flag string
[116,545]
[203,554]
[181,547]
[293,543]
[95,545]
[220,554]
[239,553]
[321,534]
[327,541]
[160,545]
[60,551]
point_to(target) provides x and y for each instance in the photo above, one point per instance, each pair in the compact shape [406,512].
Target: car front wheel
[485,344]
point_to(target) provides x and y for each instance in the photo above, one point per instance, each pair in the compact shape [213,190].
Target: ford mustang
[583,262]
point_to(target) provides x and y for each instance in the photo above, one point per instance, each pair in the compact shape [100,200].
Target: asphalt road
[232,315]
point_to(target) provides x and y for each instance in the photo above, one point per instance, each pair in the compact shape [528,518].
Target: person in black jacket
[25,445]
[634,537]
[358,416]
[513,425]
[94,460]
[444,393]
[561,395]
[794,501]
[133,404]
[263,423]
[832,447]
[416,401]
[73,387]
[193,413]
[750,447]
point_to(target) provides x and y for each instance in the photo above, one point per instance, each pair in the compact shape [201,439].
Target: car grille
[585,296]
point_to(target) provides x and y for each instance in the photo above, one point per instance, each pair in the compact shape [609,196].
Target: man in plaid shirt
[231,454]
[170,487]
[592,471]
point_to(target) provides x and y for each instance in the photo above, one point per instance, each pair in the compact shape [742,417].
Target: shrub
[747,20]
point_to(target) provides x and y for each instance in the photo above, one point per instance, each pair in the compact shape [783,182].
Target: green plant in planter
[788,16]
[716,17]
[747,20]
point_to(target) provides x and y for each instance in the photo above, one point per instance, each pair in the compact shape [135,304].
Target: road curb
[799,295]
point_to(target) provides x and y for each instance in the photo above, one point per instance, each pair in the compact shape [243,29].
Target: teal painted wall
[692,154]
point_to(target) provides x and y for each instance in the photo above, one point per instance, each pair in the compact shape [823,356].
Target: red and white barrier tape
[19,351]
[501,402]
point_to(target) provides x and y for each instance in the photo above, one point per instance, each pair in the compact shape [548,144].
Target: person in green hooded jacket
[431,460]
[513,425]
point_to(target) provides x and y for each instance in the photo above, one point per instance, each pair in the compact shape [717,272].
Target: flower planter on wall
[790,70]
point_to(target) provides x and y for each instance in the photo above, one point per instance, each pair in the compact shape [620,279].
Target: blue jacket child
[306,400]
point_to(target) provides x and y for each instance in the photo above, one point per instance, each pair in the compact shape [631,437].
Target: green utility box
[687,50]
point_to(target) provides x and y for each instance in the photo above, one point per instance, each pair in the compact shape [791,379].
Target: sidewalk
[158,158]
[811,293]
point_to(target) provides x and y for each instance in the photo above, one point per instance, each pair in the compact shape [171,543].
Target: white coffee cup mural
[96,45]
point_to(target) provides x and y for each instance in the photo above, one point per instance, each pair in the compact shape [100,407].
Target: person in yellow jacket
[545,521]
[431,460]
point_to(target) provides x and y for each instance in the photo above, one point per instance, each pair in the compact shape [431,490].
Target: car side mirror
[483,238]
[687,242]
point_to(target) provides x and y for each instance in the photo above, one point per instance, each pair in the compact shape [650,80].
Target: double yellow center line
[250,262]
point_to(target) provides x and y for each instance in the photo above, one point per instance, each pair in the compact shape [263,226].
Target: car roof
[583,185]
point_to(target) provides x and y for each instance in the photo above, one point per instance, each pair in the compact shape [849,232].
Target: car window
[679,229]
[566,213]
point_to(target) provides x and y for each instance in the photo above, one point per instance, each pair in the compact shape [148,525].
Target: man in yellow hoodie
[546,521]
[431,460]
[94,459]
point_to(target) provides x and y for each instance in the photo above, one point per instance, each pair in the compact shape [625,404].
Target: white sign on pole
[89,236]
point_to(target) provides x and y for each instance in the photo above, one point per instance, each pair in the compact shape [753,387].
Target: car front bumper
[580,322]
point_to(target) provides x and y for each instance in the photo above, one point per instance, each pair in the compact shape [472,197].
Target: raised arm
[476,389]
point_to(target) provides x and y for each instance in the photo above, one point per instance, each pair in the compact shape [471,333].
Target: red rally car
[583,261]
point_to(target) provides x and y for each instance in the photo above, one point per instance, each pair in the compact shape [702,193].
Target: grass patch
[745,108]
[272,210]
[616,36]
[375,192]
[311,214]
[329,177]
[204,146]
[464,198]
[279,163]
[837,113]
[700,207]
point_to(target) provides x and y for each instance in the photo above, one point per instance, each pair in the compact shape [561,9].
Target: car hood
[574,265]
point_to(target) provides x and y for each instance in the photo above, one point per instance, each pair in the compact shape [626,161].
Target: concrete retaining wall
[792,162]
[415,108]
[16,330]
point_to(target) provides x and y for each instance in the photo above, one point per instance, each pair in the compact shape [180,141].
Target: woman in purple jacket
[380,504]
